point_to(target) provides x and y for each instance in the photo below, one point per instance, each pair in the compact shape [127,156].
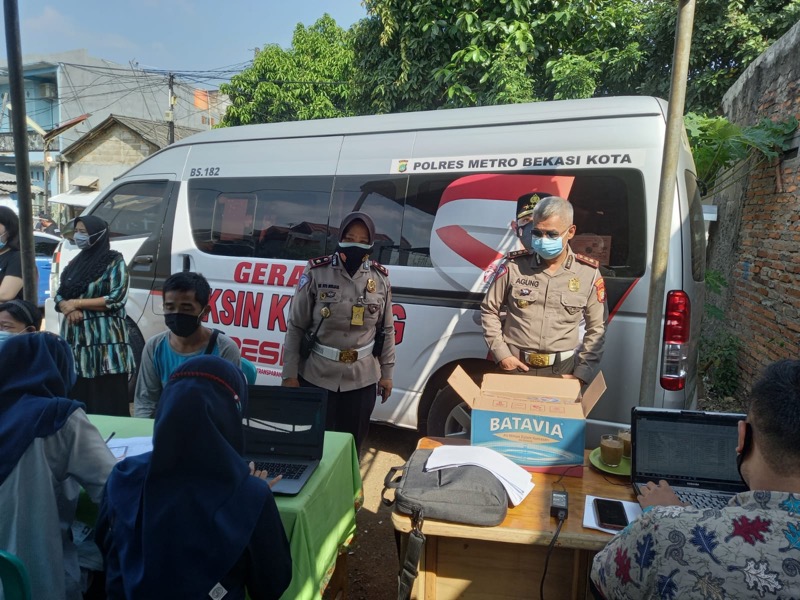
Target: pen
[108,439]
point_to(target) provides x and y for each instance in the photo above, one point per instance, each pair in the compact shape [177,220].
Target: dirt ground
[372,559]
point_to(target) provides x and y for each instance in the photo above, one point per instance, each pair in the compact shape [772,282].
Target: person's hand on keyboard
[263,475]
[658,494]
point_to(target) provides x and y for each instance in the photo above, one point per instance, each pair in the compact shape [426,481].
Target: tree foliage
[428,54]
[722,149]
[434,53]
[310,80]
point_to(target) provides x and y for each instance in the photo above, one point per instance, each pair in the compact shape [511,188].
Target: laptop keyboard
[289,471]
[702,498]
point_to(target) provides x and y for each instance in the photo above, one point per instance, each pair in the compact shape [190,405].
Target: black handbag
[467,494]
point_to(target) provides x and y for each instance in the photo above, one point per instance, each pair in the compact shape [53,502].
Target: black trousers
[104,395]
[349,412]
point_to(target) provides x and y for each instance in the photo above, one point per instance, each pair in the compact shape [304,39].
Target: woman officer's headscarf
[355,253]
[91,263]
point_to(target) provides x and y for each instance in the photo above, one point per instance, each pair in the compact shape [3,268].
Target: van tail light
[675,352]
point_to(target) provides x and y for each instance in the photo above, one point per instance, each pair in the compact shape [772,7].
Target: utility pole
[21,159]
[666,198]
[170,114]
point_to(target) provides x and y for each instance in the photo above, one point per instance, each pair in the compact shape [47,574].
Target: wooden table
[506,561]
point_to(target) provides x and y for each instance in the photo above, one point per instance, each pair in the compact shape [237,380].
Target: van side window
[275,217]
[134,209]
[697,227]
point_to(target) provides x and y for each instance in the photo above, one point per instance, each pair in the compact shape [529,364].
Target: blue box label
[530,440]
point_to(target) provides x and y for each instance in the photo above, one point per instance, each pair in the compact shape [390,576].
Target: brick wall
[756,244]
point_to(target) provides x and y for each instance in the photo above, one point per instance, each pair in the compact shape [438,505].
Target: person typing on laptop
[749,548]
[190,519]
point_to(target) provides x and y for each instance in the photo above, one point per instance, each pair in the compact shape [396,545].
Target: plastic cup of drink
[611,447]
[625,436]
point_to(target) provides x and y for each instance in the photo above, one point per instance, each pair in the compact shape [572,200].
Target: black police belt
[345,356]
[538,359]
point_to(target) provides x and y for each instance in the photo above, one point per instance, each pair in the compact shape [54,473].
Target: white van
[248,206]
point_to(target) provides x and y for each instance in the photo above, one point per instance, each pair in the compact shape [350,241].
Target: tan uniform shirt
[544,312]
[325,284]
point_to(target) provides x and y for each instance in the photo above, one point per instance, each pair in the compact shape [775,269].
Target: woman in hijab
[48,451]
[92,294]
[189,520]
[10,259]
[340,333]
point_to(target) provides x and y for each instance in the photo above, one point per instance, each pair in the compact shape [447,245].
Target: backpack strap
[212,341]
[409,567]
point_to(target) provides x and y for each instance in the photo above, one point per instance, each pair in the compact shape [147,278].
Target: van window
[134,209]
[609,211]
[697,227]
[275,217]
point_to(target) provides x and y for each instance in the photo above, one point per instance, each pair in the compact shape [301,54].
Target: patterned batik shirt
[749,549]
[100,342]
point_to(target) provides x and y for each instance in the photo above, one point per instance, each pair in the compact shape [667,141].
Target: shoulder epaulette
[380,268]
[518,253]
[587,261]
[320,261]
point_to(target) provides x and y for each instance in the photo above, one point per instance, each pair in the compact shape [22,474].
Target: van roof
[561,110]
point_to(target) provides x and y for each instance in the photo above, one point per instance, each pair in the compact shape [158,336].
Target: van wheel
[449,416]
[137,344]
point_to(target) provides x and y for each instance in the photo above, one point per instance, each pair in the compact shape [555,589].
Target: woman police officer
[340,333]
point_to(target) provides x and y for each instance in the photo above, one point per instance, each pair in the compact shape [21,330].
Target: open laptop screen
[285,420]
[686,447]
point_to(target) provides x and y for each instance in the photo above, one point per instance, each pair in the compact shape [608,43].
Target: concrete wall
[756,241]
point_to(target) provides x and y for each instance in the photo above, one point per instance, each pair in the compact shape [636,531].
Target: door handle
[145,259]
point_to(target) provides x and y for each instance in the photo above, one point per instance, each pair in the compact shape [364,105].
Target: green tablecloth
[319,521]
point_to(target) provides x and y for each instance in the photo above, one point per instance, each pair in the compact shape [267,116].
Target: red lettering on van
[267,274]
[229,308]
[259,272]
[277,312]
[239,273]
[256,351]
[276,275]
[399,314]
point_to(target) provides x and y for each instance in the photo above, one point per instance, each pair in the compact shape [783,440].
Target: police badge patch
[303,281]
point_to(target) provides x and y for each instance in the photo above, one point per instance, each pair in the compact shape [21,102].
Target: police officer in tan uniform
[342,301]
[546,290]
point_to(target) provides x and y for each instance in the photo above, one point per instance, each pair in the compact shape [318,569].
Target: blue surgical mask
[81,240]
[5,336]
[3,240]
[547,248]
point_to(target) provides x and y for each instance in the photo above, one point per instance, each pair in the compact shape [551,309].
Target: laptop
[284,433]
[694,451]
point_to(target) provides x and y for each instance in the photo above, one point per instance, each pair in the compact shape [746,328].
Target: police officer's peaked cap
[527,202]
[358,216]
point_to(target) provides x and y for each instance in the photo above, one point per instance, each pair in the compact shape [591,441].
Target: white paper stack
[514,478]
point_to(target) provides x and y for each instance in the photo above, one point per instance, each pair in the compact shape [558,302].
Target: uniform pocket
[524,297]
[573,303]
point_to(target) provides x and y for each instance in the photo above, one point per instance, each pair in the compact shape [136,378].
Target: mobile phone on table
[610,514]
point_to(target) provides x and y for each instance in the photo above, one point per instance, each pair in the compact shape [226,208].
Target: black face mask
[354,256]
[748,442]
[181,324]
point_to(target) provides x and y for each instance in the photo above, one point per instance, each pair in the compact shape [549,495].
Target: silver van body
[248,206]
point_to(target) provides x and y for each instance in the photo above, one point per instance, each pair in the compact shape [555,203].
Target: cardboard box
[594,246]
[537,422]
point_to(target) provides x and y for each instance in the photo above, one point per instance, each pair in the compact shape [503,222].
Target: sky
[174,35]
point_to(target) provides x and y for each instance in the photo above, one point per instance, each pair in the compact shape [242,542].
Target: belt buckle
[538,360]
[348,356]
